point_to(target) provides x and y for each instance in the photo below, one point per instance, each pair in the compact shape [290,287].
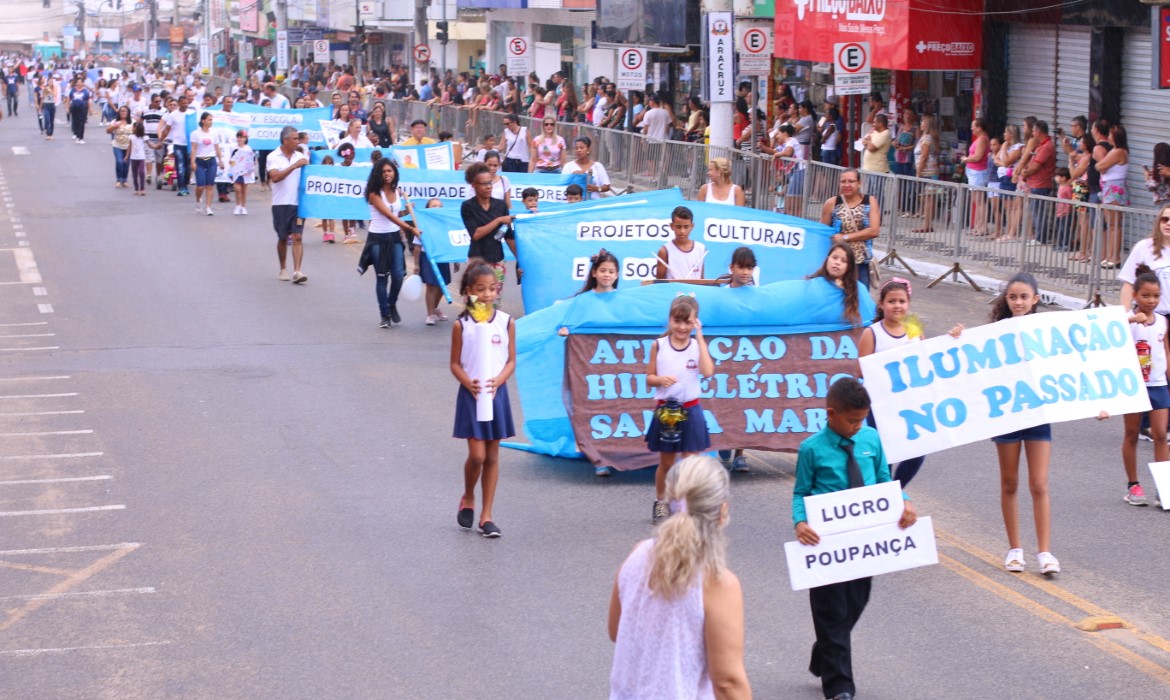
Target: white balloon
[412,288]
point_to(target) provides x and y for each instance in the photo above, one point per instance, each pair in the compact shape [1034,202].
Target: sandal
[921,230]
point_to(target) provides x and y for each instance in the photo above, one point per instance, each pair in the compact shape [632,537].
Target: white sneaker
[243,211]
[209,212]
[1048,563]
[1014,561]
[430,320]
[299,277]
[81,142]
[236,211]
[284,276]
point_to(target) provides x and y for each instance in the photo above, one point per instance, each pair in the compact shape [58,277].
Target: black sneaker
[661,511]
[385,322]
[465,518]
[489,529]
[394,315]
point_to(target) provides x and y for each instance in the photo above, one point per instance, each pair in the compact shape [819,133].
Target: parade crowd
[676,613]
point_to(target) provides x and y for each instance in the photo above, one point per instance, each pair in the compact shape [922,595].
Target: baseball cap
[832,100]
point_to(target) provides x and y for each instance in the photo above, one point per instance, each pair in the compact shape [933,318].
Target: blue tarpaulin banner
[266,123]
[729,317]
[436,156]
[554,248]
[421,185]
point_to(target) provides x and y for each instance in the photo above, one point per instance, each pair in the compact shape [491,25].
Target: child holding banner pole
[678,428]
[844,455]
[602,279]
[892,327]
[1019,298]
[1148,329]
[483,357]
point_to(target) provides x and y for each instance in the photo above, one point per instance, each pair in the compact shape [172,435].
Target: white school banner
[1161,473]
[1003,377]
[854,509]
[859,553]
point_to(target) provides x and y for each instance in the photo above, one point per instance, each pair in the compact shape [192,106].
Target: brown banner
[767,393]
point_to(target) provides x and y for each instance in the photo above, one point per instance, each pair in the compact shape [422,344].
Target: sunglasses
[1165,219]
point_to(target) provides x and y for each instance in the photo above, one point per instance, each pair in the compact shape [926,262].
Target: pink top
[975,165]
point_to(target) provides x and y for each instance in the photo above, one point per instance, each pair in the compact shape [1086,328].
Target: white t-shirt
[656,124]
[176,121]
[1155,335]
[279,101]
[512,149]
[597,172]
[203,143]
[598,115]
[137,148]
[1143,254]
[285,191]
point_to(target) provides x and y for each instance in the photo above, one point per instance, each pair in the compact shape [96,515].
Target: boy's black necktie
[855,479]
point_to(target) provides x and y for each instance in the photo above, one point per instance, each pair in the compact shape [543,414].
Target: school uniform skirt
[468,428]
[694,433]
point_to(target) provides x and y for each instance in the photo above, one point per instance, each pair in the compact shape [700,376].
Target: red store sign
[902,34]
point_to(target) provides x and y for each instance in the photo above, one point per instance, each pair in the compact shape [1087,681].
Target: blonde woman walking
[676,612]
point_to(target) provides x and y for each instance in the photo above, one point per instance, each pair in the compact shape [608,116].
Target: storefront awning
[902,34]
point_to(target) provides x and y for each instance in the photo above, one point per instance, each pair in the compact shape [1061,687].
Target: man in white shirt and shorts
[283,164]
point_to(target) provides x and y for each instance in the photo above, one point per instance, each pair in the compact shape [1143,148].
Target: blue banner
[421,185]
[265,123]
[338,192]
[436,156]
[795,306]
[334,192]
[554,248]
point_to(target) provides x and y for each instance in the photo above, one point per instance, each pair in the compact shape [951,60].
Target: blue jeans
[831,156]
[182,165]
[50,116]
[1039,211]
[121,165]
[393,279]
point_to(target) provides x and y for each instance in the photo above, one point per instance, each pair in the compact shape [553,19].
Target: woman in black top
[489,225]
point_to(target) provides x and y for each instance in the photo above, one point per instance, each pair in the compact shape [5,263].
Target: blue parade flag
[786,307]
[421,185]
[333,192]
[267,123]
[554,248]
[432,156]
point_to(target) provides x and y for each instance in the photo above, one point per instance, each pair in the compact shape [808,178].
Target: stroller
[169,175]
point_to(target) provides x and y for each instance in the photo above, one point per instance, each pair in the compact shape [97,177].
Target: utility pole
[281,10]
[420,35]
[721,134]
[443,51]
[151,34]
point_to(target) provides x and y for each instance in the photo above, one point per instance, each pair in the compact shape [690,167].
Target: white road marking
[30,335]
[20,150]
[21,482]
[51,432]
[80,594]
[60,455]
[45,308]
[38,396]
[30,323]
[22,243]
[62,650]
[58,511]
[71,550]
[40,292]
[39,413]
[19,234]
[47,347]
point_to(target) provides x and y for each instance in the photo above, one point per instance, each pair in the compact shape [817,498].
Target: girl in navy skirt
[1020,298]
[678,428]
[1148,329]
[495,364]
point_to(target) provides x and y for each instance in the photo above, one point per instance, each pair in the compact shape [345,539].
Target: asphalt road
[217,485]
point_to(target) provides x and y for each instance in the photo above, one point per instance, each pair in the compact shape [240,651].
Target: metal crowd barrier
[996,229]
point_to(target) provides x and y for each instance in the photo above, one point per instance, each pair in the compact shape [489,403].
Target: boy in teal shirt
[846,454]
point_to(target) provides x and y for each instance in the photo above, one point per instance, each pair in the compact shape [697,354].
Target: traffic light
[441,35]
